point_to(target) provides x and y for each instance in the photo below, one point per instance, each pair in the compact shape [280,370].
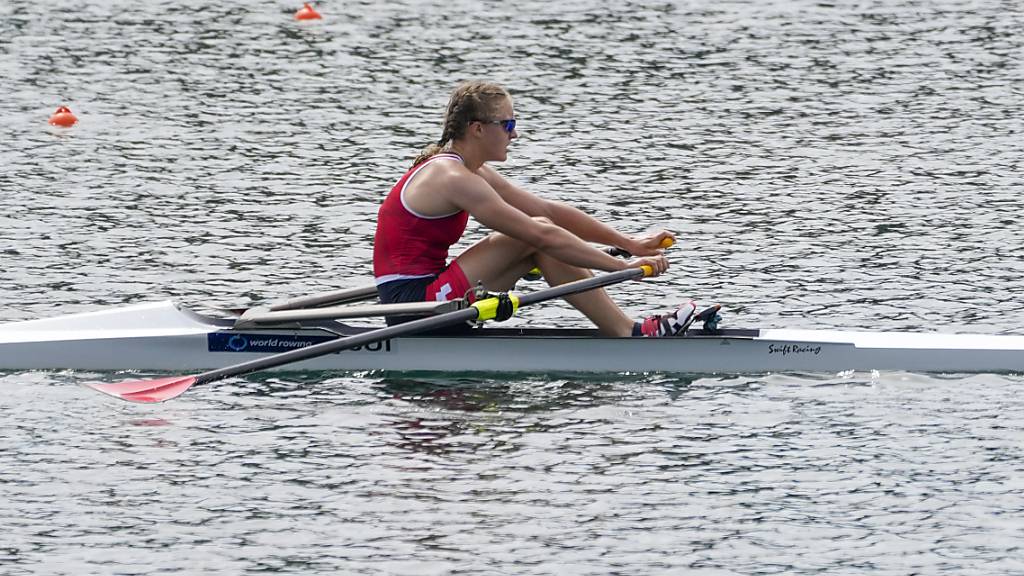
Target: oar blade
[146,391]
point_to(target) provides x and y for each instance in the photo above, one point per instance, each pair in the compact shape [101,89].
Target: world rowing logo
[237,343]
[275,343]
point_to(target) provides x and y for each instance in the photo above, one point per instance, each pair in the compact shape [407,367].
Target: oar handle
[648,271]
[666,242]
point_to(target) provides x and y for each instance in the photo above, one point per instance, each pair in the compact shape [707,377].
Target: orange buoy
[307,12]
[63,118]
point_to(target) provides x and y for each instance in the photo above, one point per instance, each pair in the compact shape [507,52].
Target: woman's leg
[499,261]
[594,304]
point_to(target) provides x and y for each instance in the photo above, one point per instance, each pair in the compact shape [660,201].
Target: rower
[427,210]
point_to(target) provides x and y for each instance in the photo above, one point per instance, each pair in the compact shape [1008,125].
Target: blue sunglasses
[508,125]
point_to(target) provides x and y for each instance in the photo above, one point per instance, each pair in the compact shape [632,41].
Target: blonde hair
[470,101]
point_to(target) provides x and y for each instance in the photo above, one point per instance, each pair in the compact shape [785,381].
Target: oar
[501,307]
[333,297]
[536,274]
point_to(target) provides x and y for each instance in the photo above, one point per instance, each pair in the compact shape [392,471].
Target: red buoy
[63,118]
[307,12]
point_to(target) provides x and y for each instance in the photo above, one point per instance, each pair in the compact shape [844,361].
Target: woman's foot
[665,325]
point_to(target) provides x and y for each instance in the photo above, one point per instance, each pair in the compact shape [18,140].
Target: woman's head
[473,101]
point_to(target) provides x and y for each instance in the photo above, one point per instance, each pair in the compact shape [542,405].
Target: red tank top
[411,245]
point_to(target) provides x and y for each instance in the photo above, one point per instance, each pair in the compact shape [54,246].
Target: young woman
[427,210]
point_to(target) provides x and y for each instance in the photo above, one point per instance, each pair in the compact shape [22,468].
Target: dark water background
[826,164]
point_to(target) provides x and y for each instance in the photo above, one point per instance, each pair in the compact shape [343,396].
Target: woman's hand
[658,264]
[650,244]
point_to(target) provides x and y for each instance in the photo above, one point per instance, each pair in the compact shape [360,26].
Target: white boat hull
[165,337]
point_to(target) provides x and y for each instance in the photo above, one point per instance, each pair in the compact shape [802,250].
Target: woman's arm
[477,197]
[571,218]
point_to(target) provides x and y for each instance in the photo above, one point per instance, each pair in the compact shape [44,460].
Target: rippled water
[851,165]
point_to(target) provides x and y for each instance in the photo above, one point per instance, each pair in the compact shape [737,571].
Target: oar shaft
[582,285]
[357,294]
[261,316]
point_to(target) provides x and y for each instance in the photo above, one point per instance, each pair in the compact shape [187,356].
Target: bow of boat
[897,340]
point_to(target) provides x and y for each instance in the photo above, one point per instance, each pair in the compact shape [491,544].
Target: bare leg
[594,304]
[499,261]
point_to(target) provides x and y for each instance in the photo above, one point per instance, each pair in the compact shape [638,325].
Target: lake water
[826,165]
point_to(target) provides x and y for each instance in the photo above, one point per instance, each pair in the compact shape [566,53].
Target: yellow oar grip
[648,271]
[487,309]
[667,242]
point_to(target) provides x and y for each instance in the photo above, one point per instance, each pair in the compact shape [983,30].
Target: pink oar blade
[146,391]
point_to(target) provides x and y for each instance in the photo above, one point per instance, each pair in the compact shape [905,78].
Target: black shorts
[413,290]
[409,290]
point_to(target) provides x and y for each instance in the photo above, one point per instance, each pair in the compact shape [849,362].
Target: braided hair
[473,100]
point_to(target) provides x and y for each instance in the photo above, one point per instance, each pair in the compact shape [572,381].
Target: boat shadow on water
[465,391]
[521,392]
[462,391]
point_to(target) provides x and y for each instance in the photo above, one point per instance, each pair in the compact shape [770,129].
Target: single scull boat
[165,336]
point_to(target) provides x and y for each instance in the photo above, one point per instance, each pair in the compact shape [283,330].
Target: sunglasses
[508,125]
